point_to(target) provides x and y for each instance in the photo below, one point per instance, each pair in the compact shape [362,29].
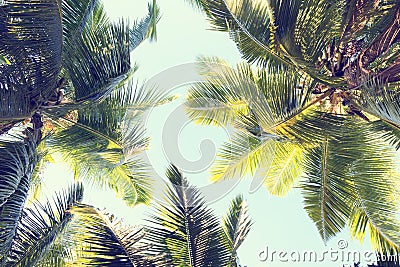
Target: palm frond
[37,181]
[377,187]
[4,60]
[389,132]
[75,16]
[248,151]
[242,155]
[381,100]
[236,226]
[31,39]
[105,241]
[328,189]
[285,169]
[146,27]
[386,34]
[308,127]
[212,101]
[40,225]
[341,175]
[104,142]
[102,163]
[18,159]
[254,49]
[359,14]
[195,3]
[98,57]
[328,196]
[184,228]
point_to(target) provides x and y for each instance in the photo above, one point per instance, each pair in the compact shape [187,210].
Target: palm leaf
[378,210]
[101,163]
[184,228]
[75,16]
[389,132]
[328,195]
[236,226]
[245,152]
[98,55]
[105,241]
[40,225]
[340,176]
[388,34]
[4,60]
[37,181]
[146,27]
[381,100]
[285,169]
[212,101]
[242,155]
[18,159]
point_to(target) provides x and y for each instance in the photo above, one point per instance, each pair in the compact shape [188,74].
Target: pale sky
[183,35]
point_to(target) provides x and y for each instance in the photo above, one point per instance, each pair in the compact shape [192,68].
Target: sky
[279,223]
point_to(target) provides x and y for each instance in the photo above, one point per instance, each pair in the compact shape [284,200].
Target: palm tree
[69,72]
[322,104]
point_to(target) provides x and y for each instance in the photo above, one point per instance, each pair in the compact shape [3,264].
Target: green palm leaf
[146,27]
[389,132]
[306,33]
[97,53]
[340,176]
[376,172]
[381,100]
[227,93]
[236,226]
[242,155]
[285,32]
[101,163]
[40,225]
[285,169]
[185,229]
[105,241]
[328,195]
[18,159]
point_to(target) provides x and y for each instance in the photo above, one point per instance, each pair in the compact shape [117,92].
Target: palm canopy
[350,47]
[288,136]
[187,233]
[319,37]
[318,63]
[103,137]
[82,70]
